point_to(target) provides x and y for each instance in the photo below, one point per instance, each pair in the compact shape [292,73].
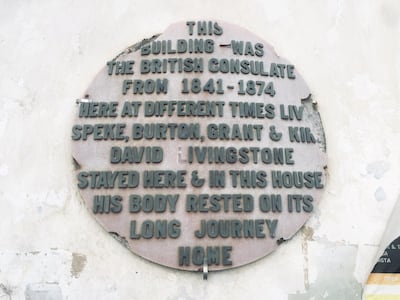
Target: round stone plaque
[199,147]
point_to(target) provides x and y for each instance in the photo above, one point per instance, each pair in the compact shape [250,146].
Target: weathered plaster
[347,51]
[78,264]
[43,291]
[333,267]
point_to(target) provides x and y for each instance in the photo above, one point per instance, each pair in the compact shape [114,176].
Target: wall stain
[380,194]
[42,291]
[307,235]
[313,116]
[378,168]
[6,290]
[335,279]
[78,264]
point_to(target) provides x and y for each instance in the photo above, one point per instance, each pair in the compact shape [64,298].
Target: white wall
[347,51]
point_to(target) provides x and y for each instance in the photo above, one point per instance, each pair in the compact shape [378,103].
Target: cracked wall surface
[51,248]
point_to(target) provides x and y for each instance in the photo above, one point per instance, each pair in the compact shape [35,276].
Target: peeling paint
[78,264]
[43,291]
[380,194]
[51,49]
[120,239]
[335,274]
[137,46]
[378,168]
[307,235]
[280,240]
[312,115]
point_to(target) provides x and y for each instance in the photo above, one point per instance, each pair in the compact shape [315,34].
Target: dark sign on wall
[199,145]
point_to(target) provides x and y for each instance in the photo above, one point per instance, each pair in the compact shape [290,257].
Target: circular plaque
[199,146]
